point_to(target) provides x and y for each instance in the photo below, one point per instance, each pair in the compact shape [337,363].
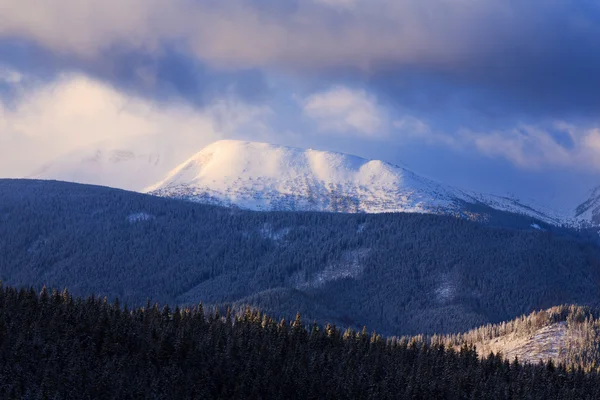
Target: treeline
[54,346]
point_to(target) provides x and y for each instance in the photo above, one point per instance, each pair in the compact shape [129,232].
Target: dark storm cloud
[163,76]
[494,59]
[172,74]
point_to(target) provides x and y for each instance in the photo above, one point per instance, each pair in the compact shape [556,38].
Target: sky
[494,96]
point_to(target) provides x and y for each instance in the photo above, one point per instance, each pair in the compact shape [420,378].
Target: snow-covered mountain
[588,212]
[260,176]
[127,165]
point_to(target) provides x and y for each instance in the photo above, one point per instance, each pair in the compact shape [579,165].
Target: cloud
[9,76]
[339,4]
[48,120]
[526,146]
[256,33]
[417,129]
[539,55]
[532,146]
[473,78]
[558,144]
[344,110]
[167,75]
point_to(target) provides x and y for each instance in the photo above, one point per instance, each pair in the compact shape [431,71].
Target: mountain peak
[227,160]
[263,176]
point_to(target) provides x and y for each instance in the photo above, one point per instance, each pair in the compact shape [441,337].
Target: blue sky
[496,96]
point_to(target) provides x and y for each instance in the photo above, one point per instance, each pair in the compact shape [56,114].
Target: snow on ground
[588,212]
[546,343]
[125,164]
[268,232]
[37,245]
[536,226]
[445,292]
[260,176]
[350,266]
[139,217]
[513,205]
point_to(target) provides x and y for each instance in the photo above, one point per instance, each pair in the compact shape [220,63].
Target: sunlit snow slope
[260,176]
[124,165]
[588,212]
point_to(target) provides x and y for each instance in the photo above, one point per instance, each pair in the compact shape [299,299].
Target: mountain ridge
[267,177]
[401,273]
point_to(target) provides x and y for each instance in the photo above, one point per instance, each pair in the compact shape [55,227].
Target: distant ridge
[129,165]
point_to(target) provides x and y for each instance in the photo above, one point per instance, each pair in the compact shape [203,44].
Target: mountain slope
[397,273]
[566,334]
[54,345]
[130,165]
[588,212]
[260,176]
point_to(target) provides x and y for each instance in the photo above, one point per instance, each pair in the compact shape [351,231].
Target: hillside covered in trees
[54,346]
[567,334]
[401,274]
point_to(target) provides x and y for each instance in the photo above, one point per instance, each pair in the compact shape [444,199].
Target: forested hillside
[54,346]
[567,334]
[396,273]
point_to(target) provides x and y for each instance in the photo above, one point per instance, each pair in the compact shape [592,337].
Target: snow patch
[549,342]
[350,266]
[539,228]
[37,245]
[139,217]
[446,290]
[268,232]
